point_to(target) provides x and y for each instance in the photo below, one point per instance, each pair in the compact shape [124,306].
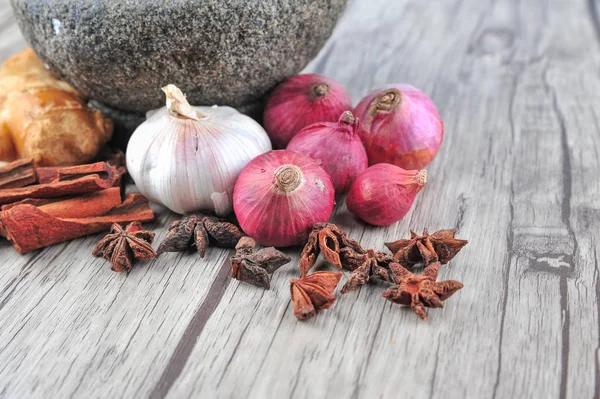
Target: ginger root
[44,118]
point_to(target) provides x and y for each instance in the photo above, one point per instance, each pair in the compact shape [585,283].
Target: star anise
[200,230]
[313,293]
[328,239]
[254,267]
[122,246]
[423,290]
[371,267]
[442,242]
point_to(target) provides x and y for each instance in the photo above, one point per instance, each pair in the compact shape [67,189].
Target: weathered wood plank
[347,351]
[517,85]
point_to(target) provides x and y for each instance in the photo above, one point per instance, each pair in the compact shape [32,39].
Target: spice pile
[122,246]
[217,160]
[42,206]
[191,158]
[313,292]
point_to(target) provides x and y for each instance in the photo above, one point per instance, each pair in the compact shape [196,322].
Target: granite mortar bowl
[227,52]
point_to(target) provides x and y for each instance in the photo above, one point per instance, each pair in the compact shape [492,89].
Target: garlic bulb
[188,158]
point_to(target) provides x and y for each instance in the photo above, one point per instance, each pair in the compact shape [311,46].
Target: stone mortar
[228,52]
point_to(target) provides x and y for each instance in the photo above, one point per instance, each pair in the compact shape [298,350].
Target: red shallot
[400,125]
[338,147]
[301,101]
[384,193]
[280,195]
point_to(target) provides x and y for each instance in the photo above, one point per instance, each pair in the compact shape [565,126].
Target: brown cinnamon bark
[63,173]
[29,227]
[17,174]
[92,204]
[61,182]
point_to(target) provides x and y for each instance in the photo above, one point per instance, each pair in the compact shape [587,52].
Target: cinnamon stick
[54,174]
[31,201]
[93,204]
[17,174]
[61,182]
[29,227]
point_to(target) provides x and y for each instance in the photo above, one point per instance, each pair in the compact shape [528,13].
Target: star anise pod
[313,293]
[122,246]
[254,267]
[371,267]
[423,290]
[328,239]
[200,230]
[442,242]
[351,259]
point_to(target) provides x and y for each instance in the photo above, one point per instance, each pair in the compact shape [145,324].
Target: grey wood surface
[518,84]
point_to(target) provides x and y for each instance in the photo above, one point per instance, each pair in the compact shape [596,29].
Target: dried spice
[92,204]
[352,259]
[30,227]
[311,250]
[122,246]
[79,180]
[423,290]
[313,293]
[442,242]
[328,239]
[17,174]
[55,174]
[371,267]
[200,230]
[254,267]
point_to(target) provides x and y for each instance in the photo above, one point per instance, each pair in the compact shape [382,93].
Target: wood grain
[517,84]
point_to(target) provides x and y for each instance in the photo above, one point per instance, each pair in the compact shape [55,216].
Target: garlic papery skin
[188,158]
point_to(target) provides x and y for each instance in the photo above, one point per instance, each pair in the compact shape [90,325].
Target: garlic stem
[178,105]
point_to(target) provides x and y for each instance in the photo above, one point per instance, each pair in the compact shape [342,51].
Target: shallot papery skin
[384,193]
[301,101]
[400,125]
[338,148]
[280,195]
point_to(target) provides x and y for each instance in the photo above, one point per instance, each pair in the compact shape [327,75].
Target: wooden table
[518,85]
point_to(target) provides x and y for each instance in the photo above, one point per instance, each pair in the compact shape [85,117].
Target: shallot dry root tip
[421,178]
[320,90]
[288,178]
